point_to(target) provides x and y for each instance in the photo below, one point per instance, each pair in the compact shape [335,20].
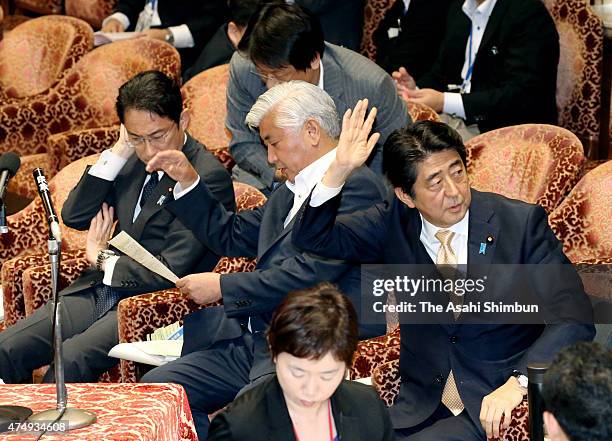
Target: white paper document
[101,38]
[155,353]
[127,245]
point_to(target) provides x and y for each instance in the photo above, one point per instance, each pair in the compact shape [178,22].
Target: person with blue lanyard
[497,67]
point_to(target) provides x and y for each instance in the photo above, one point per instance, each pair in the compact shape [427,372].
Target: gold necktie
[446,256]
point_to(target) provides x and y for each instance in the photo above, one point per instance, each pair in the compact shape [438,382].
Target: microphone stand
[3,225]
[62,418]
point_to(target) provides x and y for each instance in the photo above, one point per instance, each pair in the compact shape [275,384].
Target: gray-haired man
[225,347]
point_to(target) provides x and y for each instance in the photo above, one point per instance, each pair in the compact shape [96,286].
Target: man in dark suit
[185,24]
[117,188]
[459,375]
[497,67]
[283,43]
[410,35]
[225,347]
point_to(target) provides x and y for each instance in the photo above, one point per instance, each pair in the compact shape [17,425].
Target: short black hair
[577,391]
[240,11]
[280,34]
[152,91]
[407,147]
[312,322]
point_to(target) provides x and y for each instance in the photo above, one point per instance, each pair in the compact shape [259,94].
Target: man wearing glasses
[118,189]
[283,43]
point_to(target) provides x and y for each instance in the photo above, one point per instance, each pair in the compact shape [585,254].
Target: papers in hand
[101,38]
[127,245]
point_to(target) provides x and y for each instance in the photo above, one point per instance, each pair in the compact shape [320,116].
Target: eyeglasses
[287,76]
[157,140]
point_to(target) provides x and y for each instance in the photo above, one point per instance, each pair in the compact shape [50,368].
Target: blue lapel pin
[483,248]
[161,200]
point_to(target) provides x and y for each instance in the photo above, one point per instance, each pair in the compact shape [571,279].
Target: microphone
[9,164]
[45,196]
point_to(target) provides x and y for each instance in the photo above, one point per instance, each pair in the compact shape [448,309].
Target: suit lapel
[280,209]
[133,175]
[495,20]
[280,426]
[160,196]
[482,235]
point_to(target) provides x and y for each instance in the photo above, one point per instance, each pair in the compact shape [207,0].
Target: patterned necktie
[448,260]
[147,191]
[106,298]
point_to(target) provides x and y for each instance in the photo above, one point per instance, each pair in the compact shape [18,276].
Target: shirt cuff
[108,166]
[109,267]
[182,36]
[322,193]
[178,191]
[120,17]
[453,104]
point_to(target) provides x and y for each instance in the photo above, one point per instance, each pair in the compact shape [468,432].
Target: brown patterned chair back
[204,95]
[85,96]
[421,112]
[582,220]
[92,11]
[374,12]
[536,163]
[43,7]
[35,54]
[581,39]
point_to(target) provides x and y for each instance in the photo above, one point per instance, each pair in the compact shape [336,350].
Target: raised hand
[176,165]
[403,81]
[123,147]
[355,144]
[100,230]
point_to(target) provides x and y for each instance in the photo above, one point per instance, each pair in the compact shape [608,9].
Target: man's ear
[405,198]
[234,33]
[315,63]
[185,118]
[312,131]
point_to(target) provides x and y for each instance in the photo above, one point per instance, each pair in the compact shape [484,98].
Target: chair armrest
[23,183]
[373,352]
[27,232]
[37,281]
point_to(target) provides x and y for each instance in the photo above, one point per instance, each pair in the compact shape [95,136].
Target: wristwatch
[102,256]
[169,37]
[522,379]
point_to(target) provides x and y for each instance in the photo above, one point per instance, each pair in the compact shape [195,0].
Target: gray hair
[295,102]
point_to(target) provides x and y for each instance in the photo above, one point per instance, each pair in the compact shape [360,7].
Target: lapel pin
[483,248]
[161,200]
[490,239]
[169,189]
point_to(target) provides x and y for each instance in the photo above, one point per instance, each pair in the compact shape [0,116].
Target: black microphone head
[10,161]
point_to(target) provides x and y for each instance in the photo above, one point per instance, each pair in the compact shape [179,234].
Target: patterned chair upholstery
[421,112]
[92,11]
[536,163]
[43,7]
[204,95]
[34,55]
[386,381]
[84,97]
[582,220]
[581,38]
[141,315]
[25,244]
[374,12]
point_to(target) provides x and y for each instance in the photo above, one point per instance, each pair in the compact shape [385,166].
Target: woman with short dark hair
[312,337]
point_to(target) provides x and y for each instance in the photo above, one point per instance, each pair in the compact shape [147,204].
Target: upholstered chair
[92,11]
[536,163]
[204,96]
[35,54]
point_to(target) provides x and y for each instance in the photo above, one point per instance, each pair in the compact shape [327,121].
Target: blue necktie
[147,191]
[106,298]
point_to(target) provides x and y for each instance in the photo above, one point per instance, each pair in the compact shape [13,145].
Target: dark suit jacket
[260,414]
[348,77]
[155,228]
[421,30]
[218,50]
[481,356]
[281,267]
[202,17]
[514,80]
[341,20]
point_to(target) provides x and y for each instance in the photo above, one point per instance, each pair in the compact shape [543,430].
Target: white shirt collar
[320,85]
[472,9]
[429,230]
[311,174]
[406,5]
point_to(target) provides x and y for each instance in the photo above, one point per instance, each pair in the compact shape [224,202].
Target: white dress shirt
[479,16]
[459,244]
[182,35]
